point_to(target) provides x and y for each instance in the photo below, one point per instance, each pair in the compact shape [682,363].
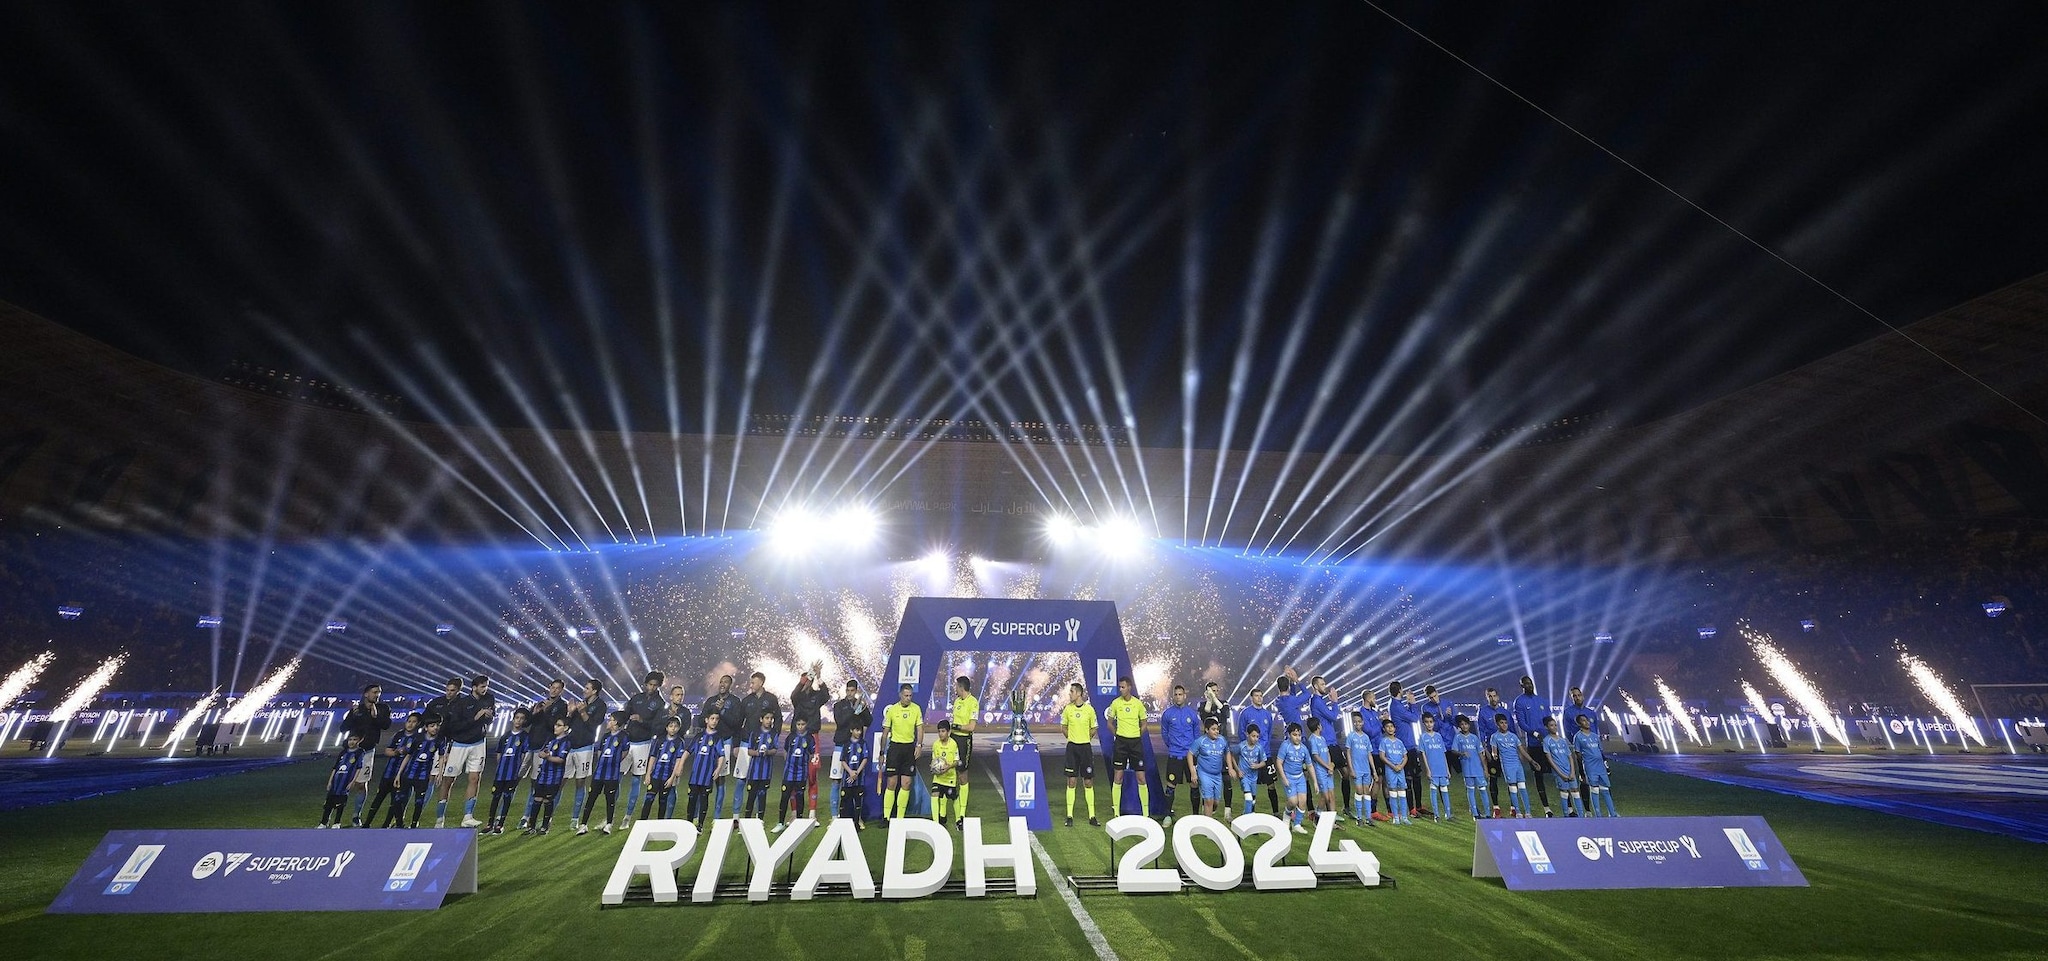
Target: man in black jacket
[807,702]
[643,715]
[758,702]
[847,713]
[585,716]
[676,710]
[540,728]
[368,720]
[467,724]
[370,717]
[443,709]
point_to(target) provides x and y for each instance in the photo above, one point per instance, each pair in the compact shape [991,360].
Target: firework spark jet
[1793,683]
[1940,695]
[18,682]
[1677,708]
[245,710]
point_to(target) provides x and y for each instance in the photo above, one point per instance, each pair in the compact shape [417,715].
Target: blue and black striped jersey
[662,758]
[800,748]
[512,749]
[550,771]
[610,754]
[704,758]
[345,768]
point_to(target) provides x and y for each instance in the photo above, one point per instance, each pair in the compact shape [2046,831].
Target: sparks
[191,717]
[88,689]
[245,710]
[1756,701]
[1794,684]
[1938,693]
[1635,710]
[17,683]
[1677,708]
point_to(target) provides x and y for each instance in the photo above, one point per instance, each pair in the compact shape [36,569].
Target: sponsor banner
[1553,854]
[1003,624]
[1024,789]
[176,872]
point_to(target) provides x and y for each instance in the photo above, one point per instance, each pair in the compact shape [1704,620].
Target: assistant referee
[904,723]
[966,708]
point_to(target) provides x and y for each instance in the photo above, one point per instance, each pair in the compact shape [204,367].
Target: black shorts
[947,791]
[1080,759]
[1340,762]
[1539,762]
[965,742]
[546,790]
[1270,773]
[1128,754]
[901,761]
[1176,771]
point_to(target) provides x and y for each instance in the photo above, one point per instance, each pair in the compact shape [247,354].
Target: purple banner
[176,872]
[1553,854]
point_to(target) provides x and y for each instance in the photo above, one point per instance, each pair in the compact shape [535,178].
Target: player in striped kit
[512,751]
[350,760]
[706,751]
[761,750]
[607,760]
[800,751]
[416,778]
[548,775]
[664,759]
[394,760]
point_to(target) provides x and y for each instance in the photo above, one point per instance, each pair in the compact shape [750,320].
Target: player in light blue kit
[1508,753]
[1472,766]
[1396,754]
[1250,758]
[1294,762]
[1593,768]
[1209,752]
[1322,774]
[1436,765]
[1359,744]
[1558,751]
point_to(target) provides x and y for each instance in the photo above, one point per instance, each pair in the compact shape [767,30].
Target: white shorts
[579,763]
[463,759]
[838,763]
[743,760]
[636,758]
[531,765]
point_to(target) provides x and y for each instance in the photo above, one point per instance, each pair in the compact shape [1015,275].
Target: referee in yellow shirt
[966,708]
[1079,721]
[1127,725]
[904,723]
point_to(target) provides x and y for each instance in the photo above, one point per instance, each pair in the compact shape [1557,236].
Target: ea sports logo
[1589,849]
[207,865]
[956,628]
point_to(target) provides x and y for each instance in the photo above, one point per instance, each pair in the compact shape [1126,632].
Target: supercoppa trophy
[1020,733]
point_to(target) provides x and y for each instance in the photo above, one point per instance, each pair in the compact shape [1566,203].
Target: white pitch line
[1088,929]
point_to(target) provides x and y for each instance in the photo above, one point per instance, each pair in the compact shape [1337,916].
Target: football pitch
[1882,887]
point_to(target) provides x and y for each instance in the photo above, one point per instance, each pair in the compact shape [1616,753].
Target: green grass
[1882,887]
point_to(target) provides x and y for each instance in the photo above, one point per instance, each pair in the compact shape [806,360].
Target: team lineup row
[658,747]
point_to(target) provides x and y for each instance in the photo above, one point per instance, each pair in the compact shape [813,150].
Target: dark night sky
[957,210]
